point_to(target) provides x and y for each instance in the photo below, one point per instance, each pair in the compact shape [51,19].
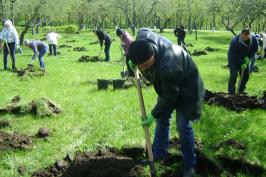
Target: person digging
[241,53]
[179,87]
[126,40]
[104,36]
[39,48]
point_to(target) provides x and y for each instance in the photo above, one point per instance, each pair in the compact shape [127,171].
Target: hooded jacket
[175,77]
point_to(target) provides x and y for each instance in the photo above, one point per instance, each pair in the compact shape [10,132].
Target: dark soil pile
[199,52]
[234,102]
[210,49]
[79,49]
[30,71]
[102,163]
[85,58]
[93,43]
[71,41]
[64,46]
[39,107]
[14,141]
[43,133]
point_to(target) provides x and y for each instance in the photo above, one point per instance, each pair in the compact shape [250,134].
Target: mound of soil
[64,46]
[234,102]
[4,124]
[79,49]
[30,71]
[241,165]
[102,163]
[93,43]
[85,58]
[199,52]
[233,143]
[39,107]
[210,49]
[71,40]
[14,141]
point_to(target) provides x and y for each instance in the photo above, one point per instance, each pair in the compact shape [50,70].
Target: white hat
[8,23]
[26,42]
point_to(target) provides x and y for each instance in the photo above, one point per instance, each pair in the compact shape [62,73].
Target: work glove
[18,49]
[131,65]
[148,121]
[245,63]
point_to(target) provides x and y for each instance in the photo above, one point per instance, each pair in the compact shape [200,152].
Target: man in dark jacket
[180,33]
[241,52]
[103,36]
[179,87]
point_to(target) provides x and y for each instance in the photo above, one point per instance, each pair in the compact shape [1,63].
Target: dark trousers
[52,47]
[264,53]
[12,53]
[180,41]
[107,46]
[234,70]
[130,72]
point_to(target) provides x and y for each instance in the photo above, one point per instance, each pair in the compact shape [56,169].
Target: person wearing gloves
[103,36]
[126,40]
[39,48]
[10,38]
[179,87]
[52,38]
[241,53]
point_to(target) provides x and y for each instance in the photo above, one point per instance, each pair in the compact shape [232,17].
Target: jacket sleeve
[170,90]
[233,52]
[254,48]
[15,33]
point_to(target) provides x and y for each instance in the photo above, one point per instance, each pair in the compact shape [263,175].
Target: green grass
[93,118]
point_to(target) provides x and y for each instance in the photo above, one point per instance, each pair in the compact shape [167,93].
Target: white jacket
[10,34]
[264,40]
[52,38]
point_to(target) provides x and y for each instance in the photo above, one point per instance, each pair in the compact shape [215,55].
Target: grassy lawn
[93,118]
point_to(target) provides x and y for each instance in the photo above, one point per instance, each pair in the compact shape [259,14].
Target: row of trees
[193,14]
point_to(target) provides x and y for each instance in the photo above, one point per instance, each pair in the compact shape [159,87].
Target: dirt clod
[64,46]
[21,170]
[43,132]
[199,52]
[14,141]
[210,49]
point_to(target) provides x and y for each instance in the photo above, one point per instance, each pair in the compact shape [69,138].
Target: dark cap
[140,51]
[119,32]
[245,31]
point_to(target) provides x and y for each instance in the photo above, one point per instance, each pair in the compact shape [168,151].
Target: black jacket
[175,77]
[180,33]
[103,36]
[238,50]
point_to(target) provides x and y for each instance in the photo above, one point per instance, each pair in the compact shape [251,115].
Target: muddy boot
[188,171]
[43,70]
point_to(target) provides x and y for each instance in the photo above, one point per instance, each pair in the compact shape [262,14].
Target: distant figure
[39,48]
[126,40]
[241,54]
[52,42]
[180,33]
[103,36]
[9,36]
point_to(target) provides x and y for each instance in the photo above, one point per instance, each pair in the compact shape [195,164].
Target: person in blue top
[241,52]
[39,48]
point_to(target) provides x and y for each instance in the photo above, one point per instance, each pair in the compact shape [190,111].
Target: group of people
[11,44]
[171,70]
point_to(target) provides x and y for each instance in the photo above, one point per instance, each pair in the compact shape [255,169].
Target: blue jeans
[162,137]
[42,52]
[12,49]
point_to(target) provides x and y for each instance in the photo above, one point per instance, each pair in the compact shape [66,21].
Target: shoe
[14,69]
[188,171]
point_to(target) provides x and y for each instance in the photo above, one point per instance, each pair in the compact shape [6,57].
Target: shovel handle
[146,129]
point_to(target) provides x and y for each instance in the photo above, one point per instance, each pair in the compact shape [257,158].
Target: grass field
[93,118]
